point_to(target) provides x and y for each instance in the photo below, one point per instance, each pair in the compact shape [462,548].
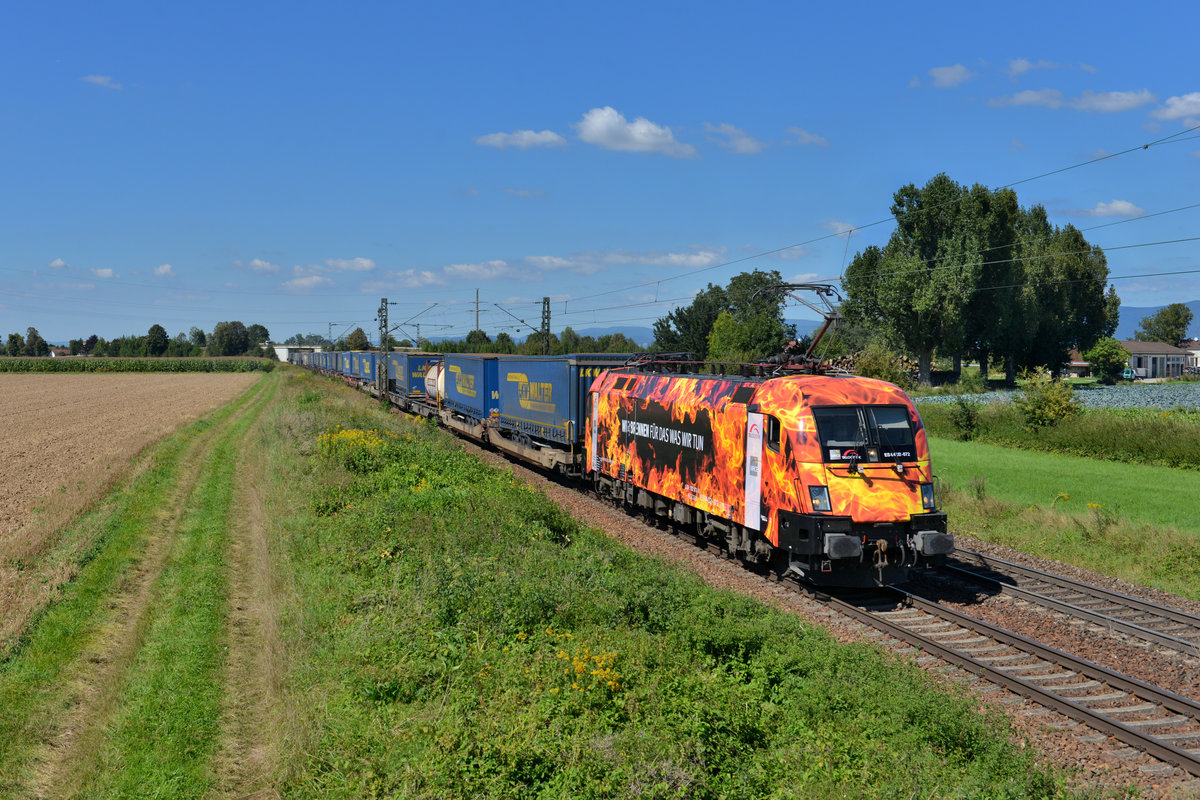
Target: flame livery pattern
[685,438]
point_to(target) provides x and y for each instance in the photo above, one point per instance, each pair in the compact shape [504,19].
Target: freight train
[822,476]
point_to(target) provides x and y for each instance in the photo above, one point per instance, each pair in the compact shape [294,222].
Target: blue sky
[291,163]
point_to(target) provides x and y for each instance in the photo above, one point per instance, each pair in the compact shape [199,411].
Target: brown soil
[64,441]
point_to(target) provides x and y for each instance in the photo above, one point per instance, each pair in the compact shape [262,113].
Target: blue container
[416,365]
[471,385]
[364,366]
[406,371]
[546,397]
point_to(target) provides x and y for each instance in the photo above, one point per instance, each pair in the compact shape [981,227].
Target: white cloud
[1196,153]
[735,138]
[104,273]
[1050,98]
[82,287]
[484,271]
[838,228]
[1017,144]
[258,265]
[164,270]
[1178,107]
[1019,66]
[804,137]
[58,263]
[803,277]
[1088,68]
[914,82]
[1117,208]
[102,80]
[949,77]
[307,284]
[525,192]
[693,259]
[412,279]
[1106,102]
[793,253]
[349,264]
[521,139]
[548,262]
[606,127]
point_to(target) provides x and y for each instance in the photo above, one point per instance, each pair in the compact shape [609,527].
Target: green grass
[164,734]
[1158,496]
[34,674]
[1136,436]
[457,635]
[1128,520]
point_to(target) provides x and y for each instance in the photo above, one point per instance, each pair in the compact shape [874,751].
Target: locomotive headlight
[819,496]
[928,501]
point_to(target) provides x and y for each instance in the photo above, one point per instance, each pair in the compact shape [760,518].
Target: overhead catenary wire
[1145,146]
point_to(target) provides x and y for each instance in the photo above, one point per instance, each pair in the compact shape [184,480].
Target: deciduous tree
[357,340]
[156,340]
[1168,325]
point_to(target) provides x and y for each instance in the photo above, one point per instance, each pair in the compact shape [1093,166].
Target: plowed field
[63,436]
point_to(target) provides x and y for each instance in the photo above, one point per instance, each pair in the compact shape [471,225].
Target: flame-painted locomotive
[824,476]
[821,475]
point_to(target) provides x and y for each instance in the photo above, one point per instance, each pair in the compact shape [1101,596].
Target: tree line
[967,273]
[478,341]
[226,339]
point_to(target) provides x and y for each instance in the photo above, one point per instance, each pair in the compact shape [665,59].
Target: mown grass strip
[36,669]
[161,741]
[1158,496]
[1131,521]
[458,635]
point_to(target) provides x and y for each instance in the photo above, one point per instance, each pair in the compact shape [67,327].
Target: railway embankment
[465,636]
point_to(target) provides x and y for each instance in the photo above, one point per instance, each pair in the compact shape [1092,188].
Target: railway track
[1113,611]
[1162,724]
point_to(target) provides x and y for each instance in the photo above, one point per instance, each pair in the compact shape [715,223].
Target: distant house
[1076,367]
[1157,360]
[1193,347]
[59,352]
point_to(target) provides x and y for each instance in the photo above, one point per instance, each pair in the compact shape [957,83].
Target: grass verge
[455,634]
[1132,521]
[1155,437]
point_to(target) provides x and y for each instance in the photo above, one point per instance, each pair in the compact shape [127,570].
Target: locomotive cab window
[773,433]
[865,433]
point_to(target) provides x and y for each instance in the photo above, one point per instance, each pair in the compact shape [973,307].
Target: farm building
[1157,360]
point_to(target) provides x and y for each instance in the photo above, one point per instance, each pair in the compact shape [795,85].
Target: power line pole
[381,369]
[545,326]
[476,309]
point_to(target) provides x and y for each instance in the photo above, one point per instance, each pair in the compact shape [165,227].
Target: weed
[979,487]
[1044,401]
[964,415]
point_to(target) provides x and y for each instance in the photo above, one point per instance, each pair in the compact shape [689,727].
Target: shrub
[1044,400]
[876,361]
[1108,359]
[972,383]
[964,415]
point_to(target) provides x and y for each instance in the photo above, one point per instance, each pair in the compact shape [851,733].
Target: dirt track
[69,434]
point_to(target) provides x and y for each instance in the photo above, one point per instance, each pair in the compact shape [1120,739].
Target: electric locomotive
[824,476]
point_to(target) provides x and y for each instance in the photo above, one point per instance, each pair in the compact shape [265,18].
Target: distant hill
[1132,316]
[643,336]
